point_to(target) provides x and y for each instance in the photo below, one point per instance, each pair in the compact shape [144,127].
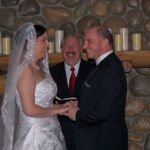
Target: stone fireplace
[76,16]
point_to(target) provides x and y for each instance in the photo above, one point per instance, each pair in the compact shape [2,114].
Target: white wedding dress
[40,133]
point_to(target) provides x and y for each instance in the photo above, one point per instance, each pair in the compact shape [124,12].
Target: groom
[101,110]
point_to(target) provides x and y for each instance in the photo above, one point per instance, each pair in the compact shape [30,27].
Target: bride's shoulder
[26,74]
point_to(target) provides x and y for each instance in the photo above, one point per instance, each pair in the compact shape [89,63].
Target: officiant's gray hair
[76,35]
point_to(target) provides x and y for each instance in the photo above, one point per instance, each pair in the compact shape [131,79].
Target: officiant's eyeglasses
[71,47]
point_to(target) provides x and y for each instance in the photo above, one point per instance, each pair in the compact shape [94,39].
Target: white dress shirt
[100,58]
[68,71]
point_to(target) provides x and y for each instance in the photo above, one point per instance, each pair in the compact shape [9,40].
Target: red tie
[72,81]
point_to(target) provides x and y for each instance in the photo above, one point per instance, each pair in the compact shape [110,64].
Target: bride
[31,87]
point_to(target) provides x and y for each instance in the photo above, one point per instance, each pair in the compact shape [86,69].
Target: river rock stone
[147,26]
[143,71]
[82,9]
[133,3]
[134,146]
[140,86]
[118,7]
[142,123]
[6,33]
[87,22]
[71,3]
[135,18]
[135,107]
[68,27]
[39,20]
[36,20]
[148,107]
[8,3]
[146,7]
[115,23]
[56,14]
[49,2]
[100,8]
[147,143]
[8,18]
[29,8]
[136,137]
[146,41]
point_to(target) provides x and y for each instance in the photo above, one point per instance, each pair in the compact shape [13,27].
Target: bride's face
[41,46]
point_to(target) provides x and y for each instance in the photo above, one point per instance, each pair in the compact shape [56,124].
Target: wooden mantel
[136,58]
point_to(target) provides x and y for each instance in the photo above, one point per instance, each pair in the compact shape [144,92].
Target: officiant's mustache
[84,50]
[71,52]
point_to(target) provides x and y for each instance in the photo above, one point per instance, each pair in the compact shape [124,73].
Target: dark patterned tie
[72,81]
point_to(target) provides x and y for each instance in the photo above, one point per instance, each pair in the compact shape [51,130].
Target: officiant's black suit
[58,73]
[100,119]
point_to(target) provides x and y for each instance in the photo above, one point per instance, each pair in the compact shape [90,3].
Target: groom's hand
[71,113]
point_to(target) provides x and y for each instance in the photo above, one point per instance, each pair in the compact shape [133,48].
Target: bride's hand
[61,109]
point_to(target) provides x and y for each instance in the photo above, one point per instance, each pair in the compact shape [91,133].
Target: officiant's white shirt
[68,71]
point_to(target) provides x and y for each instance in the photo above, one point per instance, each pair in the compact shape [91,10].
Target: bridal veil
[21,56]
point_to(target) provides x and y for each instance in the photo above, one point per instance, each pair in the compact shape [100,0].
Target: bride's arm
[26,85]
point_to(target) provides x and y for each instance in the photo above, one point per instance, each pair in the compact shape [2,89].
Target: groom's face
[93,43]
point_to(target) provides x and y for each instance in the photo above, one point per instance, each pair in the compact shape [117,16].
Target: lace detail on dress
[40,133]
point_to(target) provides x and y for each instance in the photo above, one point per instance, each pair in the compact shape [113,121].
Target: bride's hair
[40,30]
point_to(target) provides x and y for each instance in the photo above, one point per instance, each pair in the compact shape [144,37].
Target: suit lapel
[89,78]
[64,80]
[79,78]
[82,73]
[103,63]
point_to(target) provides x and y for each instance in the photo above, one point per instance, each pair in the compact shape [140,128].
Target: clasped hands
[70,109]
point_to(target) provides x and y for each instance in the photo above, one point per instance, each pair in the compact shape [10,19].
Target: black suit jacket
[101,123]
[58,73]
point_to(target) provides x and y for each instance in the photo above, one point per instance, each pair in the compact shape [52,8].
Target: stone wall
[78,15]
[138,109]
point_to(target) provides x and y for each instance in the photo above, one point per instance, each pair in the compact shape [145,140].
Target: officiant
[69,76]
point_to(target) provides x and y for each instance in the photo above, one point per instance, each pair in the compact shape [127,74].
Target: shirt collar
[76,66]
[101,57]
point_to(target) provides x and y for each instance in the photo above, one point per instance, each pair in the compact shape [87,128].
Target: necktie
[72,81]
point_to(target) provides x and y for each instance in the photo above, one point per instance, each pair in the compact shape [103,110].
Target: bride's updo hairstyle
[40,30]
